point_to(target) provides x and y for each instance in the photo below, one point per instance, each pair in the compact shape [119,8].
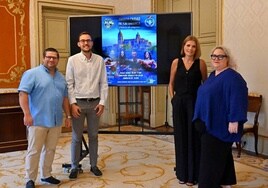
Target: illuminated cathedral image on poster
[138,49]
[129,44]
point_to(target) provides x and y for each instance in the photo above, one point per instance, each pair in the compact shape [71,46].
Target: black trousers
[187,139]
[216,163]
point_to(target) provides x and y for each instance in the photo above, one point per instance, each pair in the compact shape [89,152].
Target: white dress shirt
[86,78]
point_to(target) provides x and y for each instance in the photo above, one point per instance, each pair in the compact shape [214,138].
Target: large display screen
[130,43]
[137,49]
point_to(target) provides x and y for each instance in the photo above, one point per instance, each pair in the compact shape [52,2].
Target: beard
[86,50]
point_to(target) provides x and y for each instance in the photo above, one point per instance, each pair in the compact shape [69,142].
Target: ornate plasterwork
[16,50]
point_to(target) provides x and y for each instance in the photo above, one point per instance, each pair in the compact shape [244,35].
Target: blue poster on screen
[129,44]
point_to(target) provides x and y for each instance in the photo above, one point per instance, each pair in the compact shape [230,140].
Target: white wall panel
[245,32]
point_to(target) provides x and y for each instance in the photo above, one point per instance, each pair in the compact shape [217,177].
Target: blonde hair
[230,60]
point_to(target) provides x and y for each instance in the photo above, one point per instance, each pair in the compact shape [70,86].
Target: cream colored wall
[241,25]
[50,19]
[244,26]
[123,6]
[120,7]
[245,32]
[205,26]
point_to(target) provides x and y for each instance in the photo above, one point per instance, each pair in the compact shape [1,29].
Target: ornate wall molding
[14,39]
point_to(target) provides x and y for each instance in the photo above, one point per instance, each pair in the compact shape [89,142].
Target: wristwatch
[69,117]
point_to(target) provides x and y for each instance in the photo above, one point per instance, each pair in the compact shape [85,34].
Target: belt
[88,99]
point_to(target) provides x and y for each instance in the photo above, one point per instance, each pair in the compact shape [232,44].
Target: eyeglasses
[51,57]
[219,57]
[84,41]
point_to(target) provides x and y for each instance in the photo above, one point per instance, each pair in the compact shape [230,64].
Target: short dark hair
[50,50]
[83,33]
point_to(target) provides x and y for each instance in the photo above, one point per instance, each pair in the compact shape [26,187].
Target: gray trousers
[88,113]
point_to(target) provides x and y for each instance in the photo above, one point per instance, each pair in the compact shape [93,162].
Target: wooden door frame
[37,25]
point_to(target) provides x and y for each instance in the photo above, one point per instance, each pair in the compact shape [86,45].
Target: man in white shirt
[88,90]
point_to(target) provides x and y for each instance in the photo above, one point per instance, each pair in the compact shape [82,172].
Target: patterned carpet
[127,161]
[260,162]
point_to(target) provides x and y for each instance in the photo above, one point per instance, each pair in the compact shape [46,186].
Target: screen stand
[166,122]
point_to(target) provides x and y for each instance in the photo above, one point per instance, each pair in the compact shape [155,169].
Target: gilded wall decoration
[14,41]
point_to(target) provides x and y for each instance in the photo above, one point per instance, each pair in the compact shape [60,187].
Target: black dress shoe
[51,180]
[96,171]
[30,184]
[73,174]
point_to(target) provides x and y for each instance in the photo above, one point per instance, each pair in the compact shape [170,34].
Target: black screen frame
[172,28]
